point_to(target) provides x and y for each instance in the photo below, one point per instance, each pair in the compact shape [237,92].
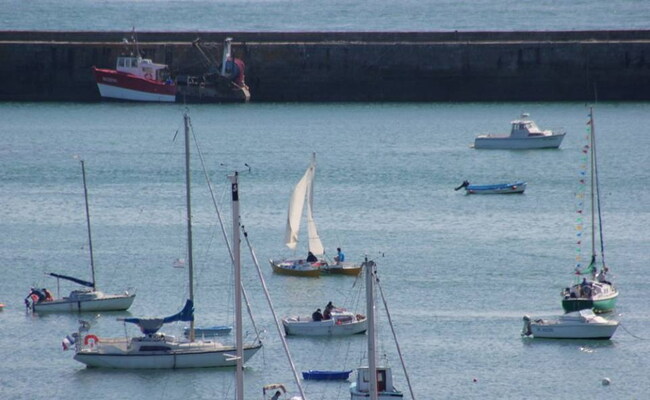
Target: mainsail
[304,190]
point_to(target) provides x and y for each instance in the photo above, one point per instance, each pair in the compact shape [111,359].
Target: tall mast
[236,241]
[186,119]
[370,310]
[90,239]
[593,185]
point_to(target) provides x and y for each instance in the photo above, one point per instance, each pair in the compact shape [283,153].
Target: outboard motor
[526,331]
[462,185]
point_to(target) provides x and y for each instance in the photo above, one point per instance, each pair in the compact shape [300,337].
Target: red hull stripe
[129,81]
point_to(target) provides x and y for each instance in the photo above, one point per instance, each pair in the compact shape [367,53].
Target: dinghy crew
[328,311]
[340,256]
[311,257]
[317,316]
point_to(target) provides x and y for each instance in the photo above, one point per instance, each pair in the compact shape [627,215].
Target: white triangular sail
[303,190]
[315,245]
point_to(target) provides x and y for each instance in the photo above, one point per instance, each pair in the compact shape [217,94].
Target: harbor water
[334,15]
[458,272]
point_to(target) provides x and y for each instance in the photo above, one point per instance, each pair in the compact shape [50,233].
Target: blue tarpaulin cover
[149,326]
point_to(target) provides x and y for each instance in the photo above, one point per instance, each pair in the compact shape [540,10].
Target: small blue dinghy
[326,375]
[499,188]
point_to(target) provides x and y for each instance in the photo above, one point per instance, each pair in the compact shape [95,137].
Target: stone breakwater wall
[351,66]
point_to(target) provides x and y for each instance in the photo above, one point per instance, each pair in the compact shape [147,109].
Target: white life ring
[148,76]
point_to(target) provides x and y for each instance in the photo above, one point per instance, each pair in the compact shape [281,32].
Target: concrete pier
[352,66]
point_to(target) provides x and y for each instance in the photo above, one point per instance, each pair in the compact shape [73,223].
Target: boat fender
[148,76]
[91,338]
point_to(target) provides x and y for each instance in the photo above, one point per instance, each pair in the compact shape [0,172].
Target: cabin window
[120,62]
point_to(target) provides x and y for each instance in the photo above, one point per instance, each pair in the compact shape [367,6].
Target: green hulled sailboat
[592,288]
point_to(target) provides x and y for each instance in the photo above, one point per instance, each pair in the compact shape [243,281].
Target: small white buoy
[606,381]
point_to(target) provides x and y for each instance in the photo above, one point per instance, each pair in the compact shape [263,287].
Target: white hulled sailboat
[157,350]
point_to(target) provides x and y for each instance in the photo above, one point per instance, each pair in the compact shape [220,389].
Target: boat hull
[579,331]
[164,360]
[382,395]
[342,269]
[217,90]
[293,269]
[106,303]
[510,143]
[506,188]
[123,86]
[323,328]
[601,305]
[326,375]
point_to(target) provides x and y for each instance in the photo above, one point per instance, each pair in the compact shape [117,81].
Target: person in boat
[35,295]
[602,278]
[317,316]
[328,311]
[462,185]
[48,295]
[585,288]
[340,256]
[311,257]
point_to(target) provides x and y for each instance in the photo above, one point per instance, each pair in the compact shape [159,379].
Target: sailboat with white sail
[315,262]
[593,288]
[88,298]
[155,350]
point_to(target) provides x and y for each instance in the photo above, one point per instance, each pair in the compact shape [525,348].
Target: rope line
[632,334]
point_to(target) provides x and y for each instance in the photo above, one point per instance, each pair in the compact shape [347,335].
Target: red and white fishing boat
[136,79]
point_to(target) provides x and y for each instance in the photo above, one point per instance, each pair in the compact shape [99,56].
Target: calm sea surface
[331,15]
[458,271]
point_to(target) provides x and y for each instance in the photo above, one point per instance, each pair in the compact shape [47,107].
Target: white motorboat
[341,323]
[525,134]
[583,324]
[80,300]
[157,350]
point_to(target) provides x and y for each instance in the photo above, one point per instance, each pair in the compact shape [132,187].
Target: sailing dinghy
[79,300]
[315,262]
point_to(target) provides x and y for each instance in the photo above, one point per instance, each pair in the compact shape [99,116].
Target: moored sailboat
[157,350]
[595,290]
[80,300]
